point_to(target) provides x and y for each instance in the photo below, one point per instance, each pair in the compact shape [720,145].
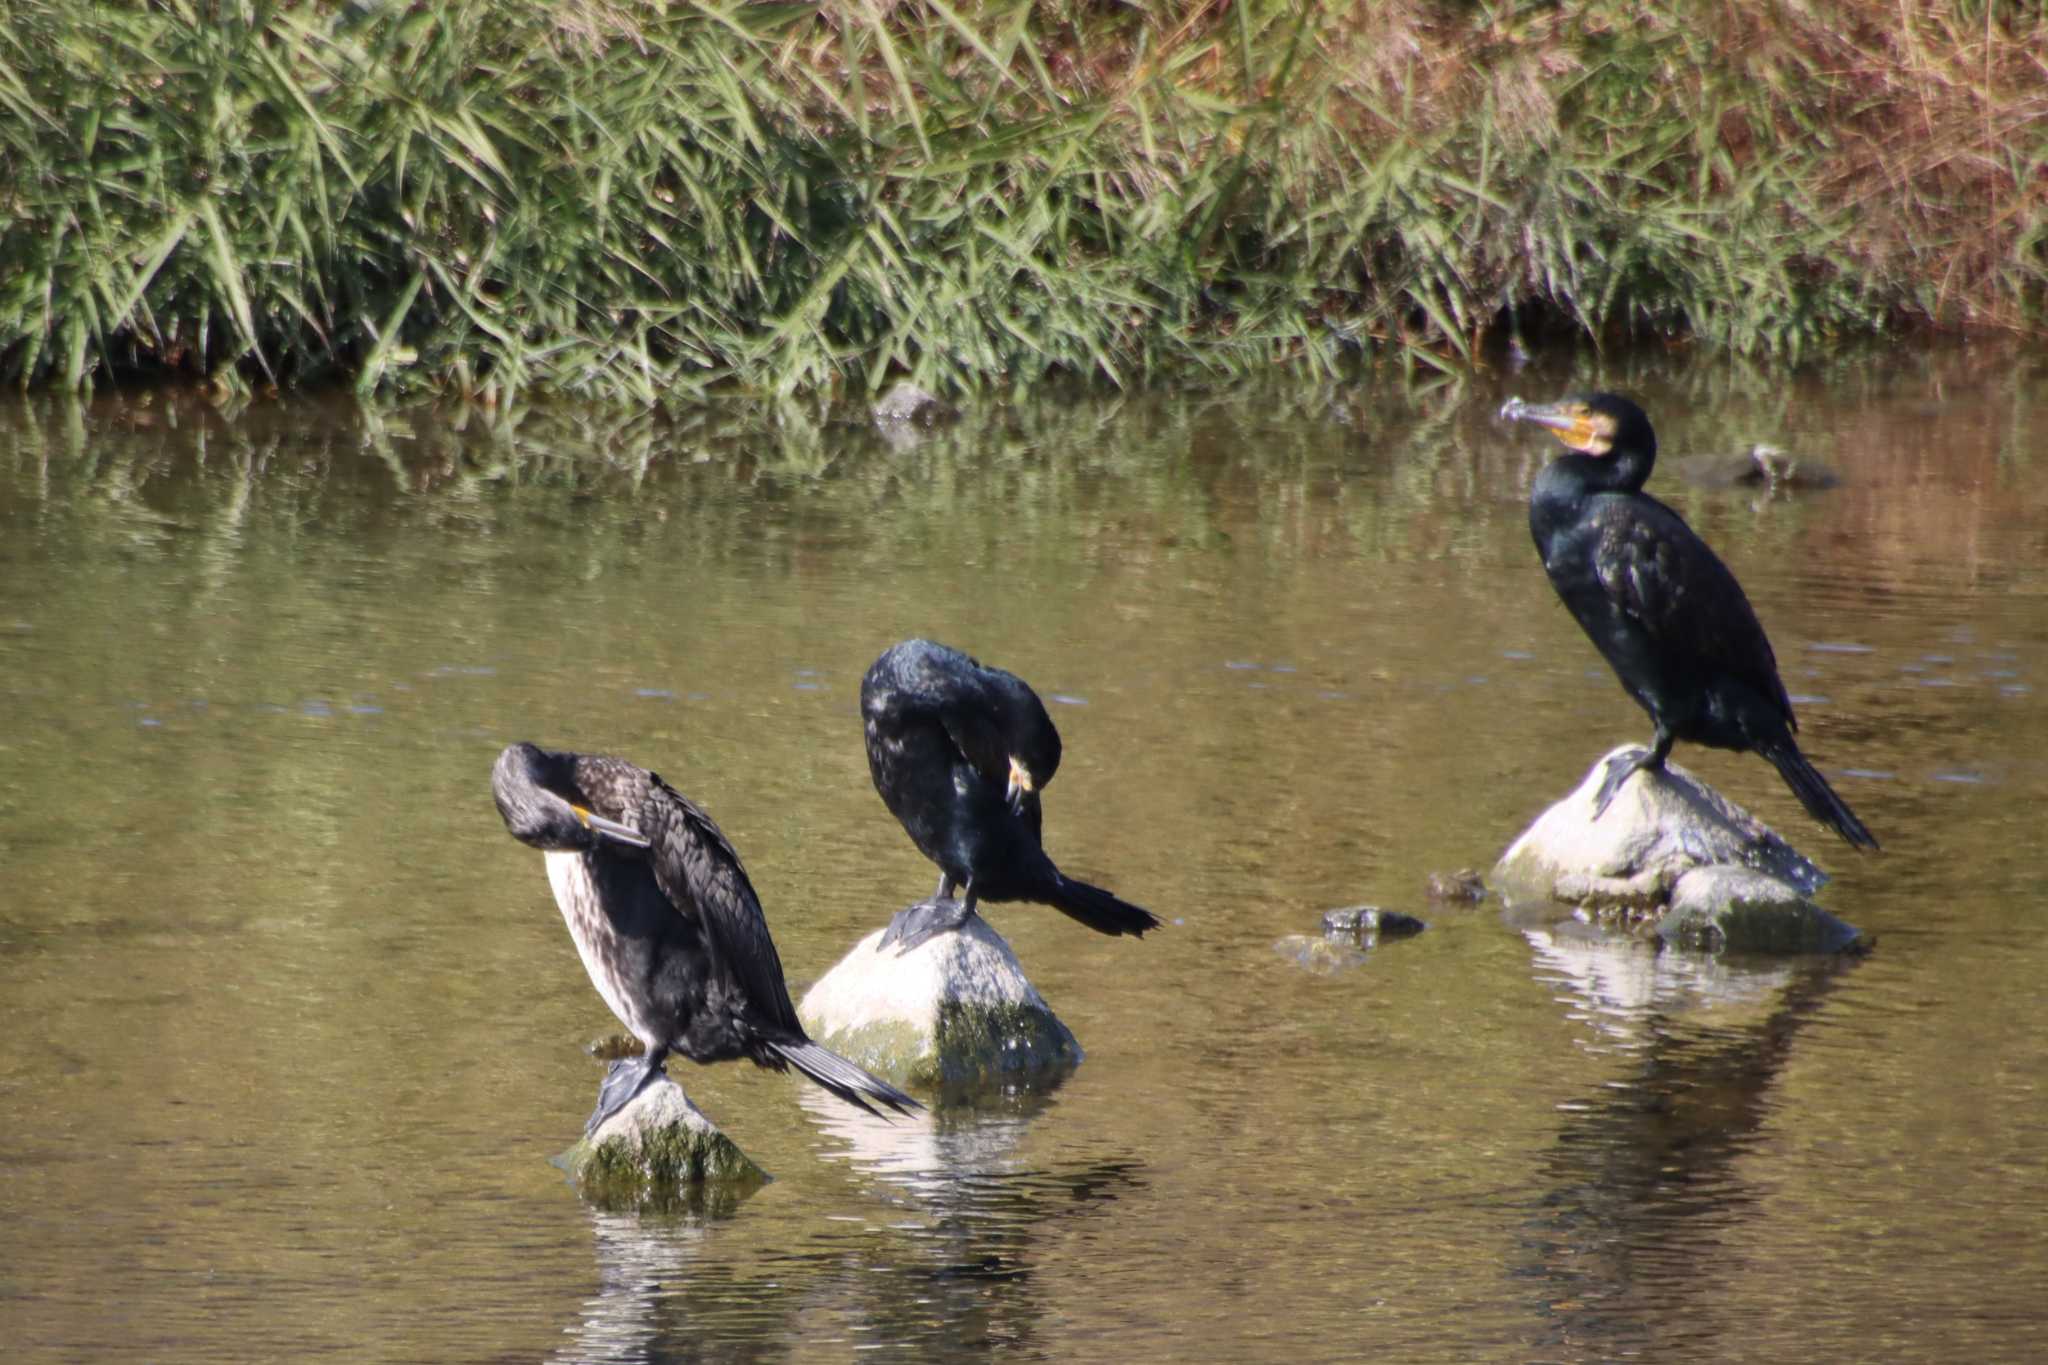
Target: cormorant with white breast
[1659,605]
[960,752]
[666,922]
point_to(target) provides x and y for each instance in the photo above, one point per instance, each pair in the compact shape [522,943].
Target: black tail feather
[1098,909]
[1816,795]
[843,1078]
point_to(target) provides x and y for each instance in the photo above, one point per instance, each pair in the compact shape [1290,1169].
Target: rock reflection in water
[640,1261]
[971,1213]
[1644,1169]
[947,1262]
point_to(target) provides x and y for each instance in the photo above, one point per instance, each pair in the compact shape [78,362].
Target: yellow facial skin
[1020,778]
[1575,425]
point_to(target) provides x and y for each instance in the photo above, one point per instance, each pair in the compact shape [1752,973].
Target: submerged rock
[907,404]
[1323,954]
[1369,921]
[1348,937]
[956,1013]
[1463,885]
[1673,856]
[1770,466]
[659,1152]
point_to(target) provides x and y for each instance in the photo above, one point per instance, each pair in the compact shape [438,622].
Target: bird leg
[623,1080]
[1622,767]
[914,924]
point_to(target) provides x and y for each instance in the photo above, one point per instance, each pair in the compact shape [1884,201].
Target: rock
[1462,885]
[1674,855]
[1348,937]
[954,1014]
[1321,954]
[1370,922]
[659,1152]
[907,404]
[1742,910]
[1772,467]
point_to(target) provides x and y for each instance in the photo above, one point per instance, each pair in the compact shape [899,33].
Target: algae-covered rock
[659,1151]
[1672,856]
[955,1013]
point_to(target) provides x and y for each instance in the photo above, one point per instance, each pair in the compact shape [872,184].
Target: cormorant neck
[1624,470]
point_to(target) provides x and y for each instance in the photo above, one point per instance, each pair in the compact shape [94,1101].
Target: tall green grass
[643,199]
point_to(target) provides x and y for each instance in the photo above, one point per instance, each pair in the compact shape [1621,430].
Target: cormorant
[1664,610]
[666,922]
[960,753]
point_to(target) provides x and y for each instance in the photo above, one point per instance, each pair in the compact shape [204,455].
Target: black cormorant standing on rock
[666,922]
[1664,610]
[960,753]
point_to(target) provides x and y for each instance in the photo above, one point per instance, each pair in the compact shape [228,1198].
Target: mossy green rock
[954,1014]
[660,1152]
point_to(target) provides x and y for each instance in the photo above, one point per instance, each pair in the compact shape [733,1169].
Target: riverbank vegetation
[637,199]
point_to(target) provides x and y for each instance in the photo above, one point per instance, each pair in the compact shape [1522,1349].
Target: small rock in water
[1370,922]
[1323,956]
[1463,885]
[906,403]
[1774,467]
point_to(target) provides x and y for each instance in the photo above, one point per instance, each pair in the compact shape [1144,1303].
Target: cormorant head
[541,806]
[1590,423]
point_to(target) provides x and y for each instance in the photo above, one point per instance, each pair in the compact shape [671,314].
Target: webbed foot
[1620,769]
[927,919]
[623,1080]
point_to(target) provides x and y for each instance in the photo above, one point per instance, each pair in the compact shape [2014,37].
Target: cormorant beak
[1570,422]
[608,829]
[1020,783]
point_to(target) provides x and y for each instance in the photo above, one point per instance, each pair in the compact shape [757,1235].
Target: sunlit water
[289,1028]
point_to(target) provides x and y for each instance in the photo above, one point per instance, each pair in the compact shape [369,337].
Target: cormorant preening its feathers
[960,753]
[666,922]
[1664,610]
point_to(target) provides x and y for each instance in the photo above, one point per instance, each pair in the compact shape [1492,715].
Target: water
[289,1028]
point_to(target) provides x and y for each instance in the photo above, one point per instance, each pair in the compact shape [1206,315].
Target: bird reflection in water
[1647,1163]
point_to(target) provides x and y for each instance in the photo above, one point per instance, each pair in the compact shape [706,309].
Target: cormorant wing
[1656,570]
[699,871]
[996,716]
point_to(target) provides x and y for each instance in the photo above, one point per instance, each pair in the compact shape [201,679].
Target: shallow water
[289,1028]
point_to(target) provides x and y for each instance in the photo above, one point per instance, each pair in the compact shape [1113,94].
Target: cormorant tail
[1815,794]
[843,1078]
[1098,909]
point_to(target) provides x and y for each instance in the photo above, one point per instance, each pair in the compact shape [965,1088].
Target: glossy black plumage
[960,753]
[665,920]
[1659,605]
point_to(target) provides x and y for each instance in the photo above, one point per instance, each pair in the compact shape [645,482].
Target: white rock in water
[1670,847]
[955,1012]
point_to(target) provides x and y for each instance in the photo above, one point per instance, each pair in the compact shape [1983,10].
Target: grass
[642,200]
